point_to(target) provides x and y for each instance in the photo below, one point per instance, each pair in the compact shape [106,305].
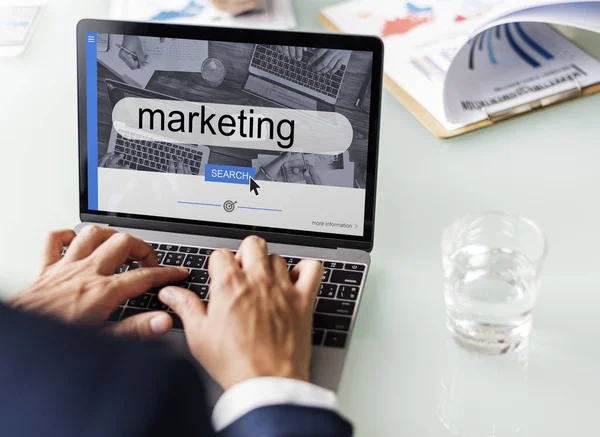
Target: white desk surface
[403,376]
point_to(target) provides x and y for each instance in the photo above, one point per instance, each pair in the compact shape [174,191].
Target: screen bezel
[226,230]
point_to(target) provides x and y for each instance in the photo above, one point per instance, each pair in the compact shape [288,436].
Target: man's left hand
[80,287]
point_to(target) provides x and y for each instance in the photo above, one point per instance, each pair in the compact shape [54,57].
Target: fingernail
[167,293]
[160,324]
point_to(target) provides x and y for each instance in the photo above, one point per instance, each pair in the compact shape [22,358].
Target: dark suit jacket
[62,381]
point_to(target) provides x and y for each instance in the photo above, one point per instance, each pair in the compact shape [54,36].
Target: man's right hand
[259,321]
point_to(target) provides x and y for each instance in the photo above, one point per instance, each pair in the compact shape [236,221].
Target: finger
[254,258]
[186,305]
[286,51]
[292,52]
[105,159]
[299,53]
[324,62]
[337,66]
[114,161]
[88,240]
[280,271]
[147,326]
[120,248]
[134,282]
[187,169]
[129,61]
[318,54]
[54,244]
[223,269]
[330,65]
[307,275]
[180,167]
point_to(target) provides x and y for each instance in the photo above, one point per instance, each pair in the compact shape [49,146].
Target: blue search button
[229,174]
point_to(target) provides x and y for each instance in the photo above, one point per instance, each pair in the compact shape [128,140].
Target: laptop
[254,166]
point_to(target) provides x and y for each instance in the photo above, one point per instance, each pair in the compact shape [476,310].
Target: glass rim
[532,224]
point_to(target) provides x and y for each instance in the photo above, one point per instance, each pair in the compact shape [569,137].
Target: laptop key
[174,259]
[326,321]
[348,293]
[154,245]
[169,247]
[327,290]
[326,275]
[157,305]
[194,261]
[188,249]
[317,337]
[200,290]
[140,302]
[335,307]
[116,315]
[134,265]
[206,251]
[335,339]
[346,277]
[198,276]
[159,256]
[333,265]
[355,267]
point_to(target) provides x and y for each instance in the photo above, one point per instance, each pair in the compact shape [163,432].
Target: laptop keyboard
[271,60]
[334,308]
[141,153]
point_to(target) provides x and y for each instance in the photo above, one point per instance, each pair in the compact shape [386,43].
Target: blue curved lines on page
[531,43]
[490,49]
[518,50]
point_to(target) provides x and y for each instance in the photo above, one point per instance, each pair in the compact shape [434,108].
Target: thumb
[186,305]
[144,326]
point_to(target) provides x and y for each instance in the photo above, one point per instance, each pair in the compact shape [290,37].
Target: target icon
[229,206]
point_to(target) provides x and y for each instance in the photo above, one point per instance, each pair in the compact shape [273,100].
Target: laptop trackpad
[278,94]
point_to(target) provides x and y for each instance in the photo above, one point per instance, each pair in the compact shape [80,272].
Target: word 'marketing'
[251,127]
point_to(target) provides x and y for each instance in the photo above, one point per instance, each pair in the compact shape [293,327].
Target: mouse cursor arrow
[254,186]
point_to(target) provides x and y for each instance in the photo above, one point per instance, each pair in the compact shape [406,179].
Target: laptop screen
[243,134]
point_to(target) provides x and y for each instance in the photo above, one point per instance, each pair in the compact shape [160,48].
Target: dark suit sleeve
[67,382]
[289,421]
[62,381]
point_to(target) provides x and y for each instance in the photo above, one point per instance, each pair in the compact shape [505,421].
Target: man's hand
[81,286]
[329,60]
[235,7]
[133,44]
[259,321]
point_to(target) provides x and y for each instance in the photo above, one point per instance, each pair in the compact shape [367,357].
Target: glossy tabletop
[404,376]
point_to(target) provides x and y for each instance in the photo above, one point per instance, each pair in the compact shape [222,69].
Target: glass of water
[492,263]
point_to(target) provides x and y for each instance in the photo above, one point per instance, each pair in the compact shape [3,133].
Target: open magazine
[462,60]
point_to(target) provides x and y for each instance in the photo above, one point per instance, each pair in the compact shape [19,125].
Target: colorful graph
[192,9]
[416,16]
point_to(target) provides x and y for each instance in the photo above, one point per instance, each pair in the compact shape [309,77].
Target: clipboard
[492,116]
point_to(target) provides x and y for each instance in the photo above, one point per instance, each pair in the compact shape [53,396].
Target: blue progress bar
[260,209]
[198,203]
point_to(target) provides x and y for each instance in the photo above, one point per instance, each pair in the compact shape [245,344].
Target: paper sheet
[513,63]
[422,37]
[270,14]
[168,54]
